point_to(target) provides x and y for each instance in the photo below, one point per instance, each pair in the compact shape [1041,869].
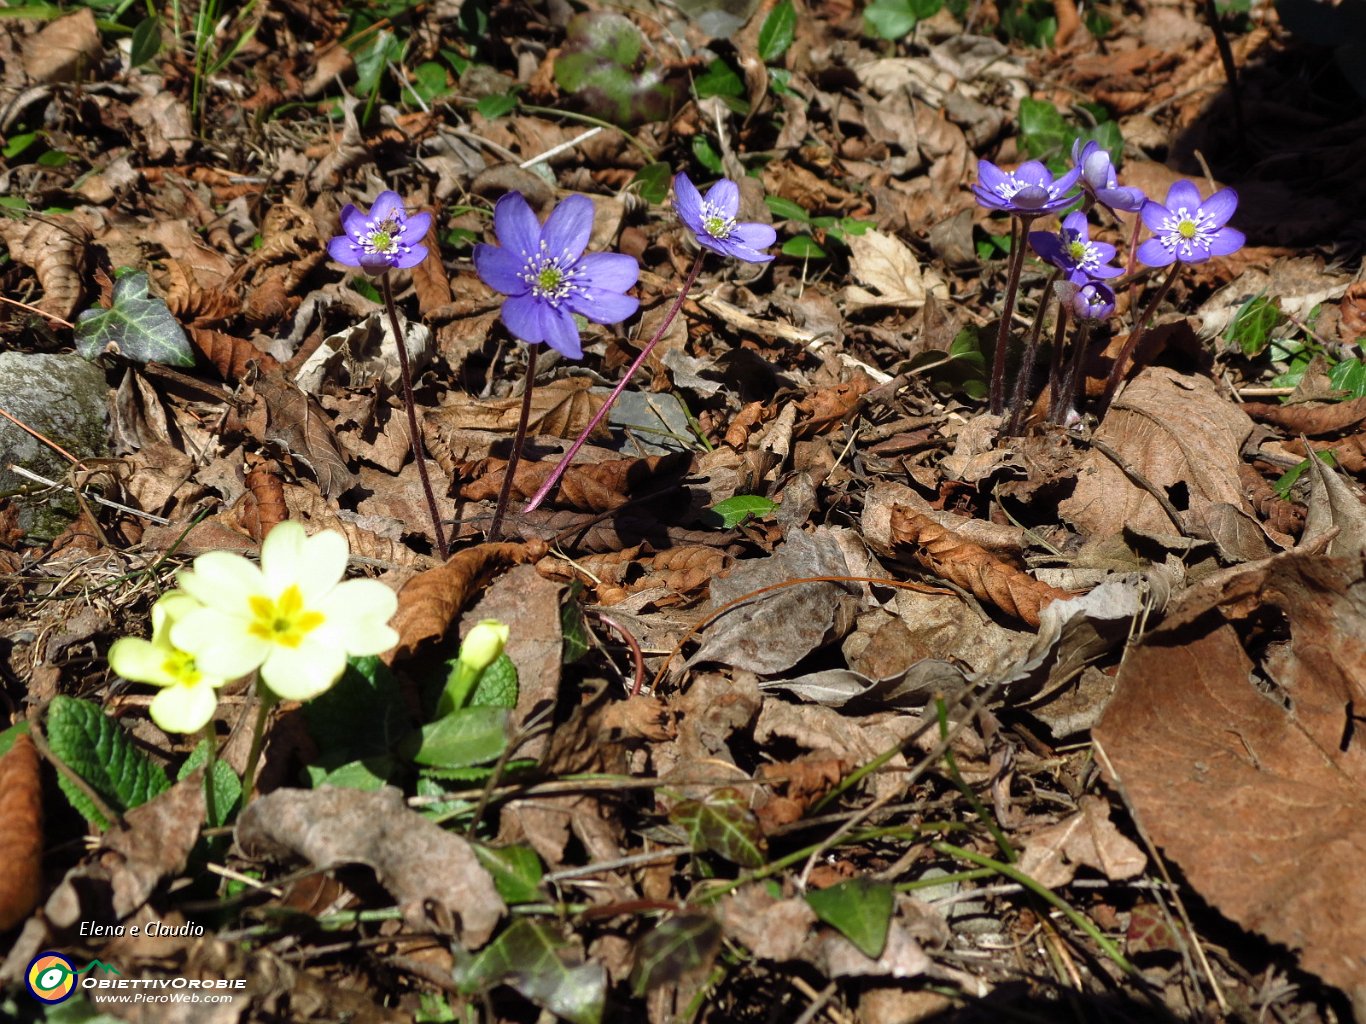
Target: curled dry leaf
[231,357]
[267,494]
[65,49]
[960,561]
[1314,420]
[21,832]
[823,409]
[433,874]
[1086,839]
[55,247]
[561,408]
[307,504]
[596,487]
[297,423]
[429,603]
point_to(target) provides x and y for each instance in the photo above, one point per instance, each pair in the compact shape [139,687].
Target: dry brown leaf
[1251,774]
[685,569]
[886,264]
[305,503]
[973,568]
[430,601]
[21,832]
[1088,838]
[231,357]
[595,487]
[823,409]
[296,422]
[1314,420]
[64,50]
[55,247]
[267,496]
[561,408]
[433,874]
[430,281]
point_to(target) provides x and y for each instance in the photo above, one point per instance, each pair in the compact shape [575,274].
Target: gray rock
[63,398]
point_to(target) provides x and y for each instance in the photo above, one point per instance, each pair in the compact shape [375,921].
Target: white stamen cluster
[715,222]
[552,277]
[1186,234]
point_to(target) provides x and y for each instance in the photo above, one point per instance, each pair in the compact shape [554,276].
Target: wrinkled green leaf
[361,717]
[97,749]
[682,945]
[366,774]
[859,909]
[137,325]
[497,686]
[516,871]
[723,824]
[465,737]
[777,32]
[734,511]
[533,958]
[223,781]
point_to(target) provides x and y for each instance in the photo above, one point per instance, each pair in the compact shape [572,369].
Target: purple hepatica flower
[1098,179]
[1089,300]
[1028,191]
[386,238]
[712,220]
[1187,229]
[1072,251]
[543,271]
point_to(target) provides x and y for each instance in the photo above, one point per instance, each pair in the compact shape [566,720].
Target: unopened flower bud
[483,645]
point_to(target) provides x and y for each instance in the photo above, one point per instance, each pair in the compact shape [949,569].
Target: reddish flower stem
[516,456]
[1131,343]
[1019,224]
[601,414]
[1021,390]
[411,406]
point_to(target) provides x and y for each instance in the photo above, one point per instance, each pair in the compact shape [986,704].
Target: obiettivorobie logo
[51,977]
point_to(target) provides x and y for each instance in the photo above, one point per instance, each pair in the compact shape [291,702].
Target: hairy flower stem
[1021,389]
[266,701]
[210,793]
[406,373]
[601,414]
[1018,225]
[1056,382]
[1068,391]
[516,457]
[1132,261]
[1131,344]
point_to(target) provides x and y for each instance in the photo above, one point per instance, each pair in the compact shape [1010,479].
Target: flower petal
[357,614]
[607,271]
[1226,241]
[724,197]
[687,202]
[990,175]
[1050,248]
[353,222]
[184,708]
[522,317]
[416,227]
[1153,253]
[1065,183]
[515,225]
[303,672]
[1075,222]
[1130,200]
[559,331]
[139,661]
[754,235]
[343,250]
[1155,215]
[1219,207]
[604,307]
[568,228]
[1032,172]
[224,581]
[408,256]
[500,269]
[1183,193]
[324,564]
[388,206]
[221,644]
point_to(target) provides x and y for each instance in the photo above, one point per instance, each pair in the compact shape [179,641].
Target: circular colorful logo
[51,977]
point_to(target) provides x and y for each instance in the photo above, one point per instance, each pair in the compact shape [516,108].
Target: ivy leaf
[97,749]
[516,872]
[534,959]
[682,945]
[859,909]
[138,325]
[723,824]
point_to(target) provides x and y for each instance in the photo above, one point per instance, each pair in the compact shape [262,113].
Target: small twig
[554,151]
[1139,480]
[30,475]
[631,642]
[37,436]
[34,309]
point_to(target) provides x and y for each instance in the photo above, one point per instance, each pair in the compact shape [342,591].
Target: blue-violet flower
[1188,230]
[1099,181]
[712,220]
[1088,300]
[543,271]
[1071,250]
[387,238]
[1029,190]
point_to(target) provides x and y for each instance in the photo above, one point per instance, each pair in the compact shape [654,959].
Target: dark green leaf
[18,143]
[777,32]
[53,158]
[360,716]
[497,685]
[573,629]
[723,824]
[803,247]
[496,106]
[683,945]
[137,325]
[1350,376]
[705,154]
[97,749]
[890,19]
[367,774]
[1043,132]
[533,958]
[11,734]
[226,786]
[652,182]
[1253,323]
[1286,482]
[467,736]
[373,60]
[605,67]
[787,208]
[734,511]
[146,41]
[720,79]
[860,909]
[516,871]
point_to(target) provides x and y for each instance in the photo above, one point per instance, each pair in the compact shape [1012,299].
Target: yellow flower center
[1187,228]
[181,667]
[717,227]
[284,621]
[549,279]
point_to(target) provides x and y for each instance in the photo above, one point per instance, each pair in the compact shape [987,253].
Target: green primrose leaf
[652,182]
[497,685]
[859,909]
[734,511]
[516,871]
[777,32]
[97,749]
[723,824]
[683,945]
[803,247]
[367,774]
[361,716]
[137,325]
[533,957]
[467,736]
[226,786]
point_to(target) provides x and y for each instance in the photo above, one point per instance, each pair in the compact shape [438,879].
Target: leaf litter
[824,699]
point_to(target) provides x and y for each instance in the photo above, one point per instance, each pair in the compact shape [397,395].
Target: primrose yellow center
[716,227]
[284,621]
[181,667]
[1187,229]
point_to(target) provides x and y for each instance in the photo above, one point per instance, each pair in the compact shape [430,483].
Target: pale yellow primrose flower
[187,700]
[294,617]
[483,644]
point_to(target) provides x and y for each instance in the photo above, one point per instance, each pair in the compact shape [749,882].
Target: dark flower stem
[1068,392]
[1055,364]
[406,373]
[1021,389]
[1133,260]
[516,457]
[1136,335]
[1018,225]
[601,414]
